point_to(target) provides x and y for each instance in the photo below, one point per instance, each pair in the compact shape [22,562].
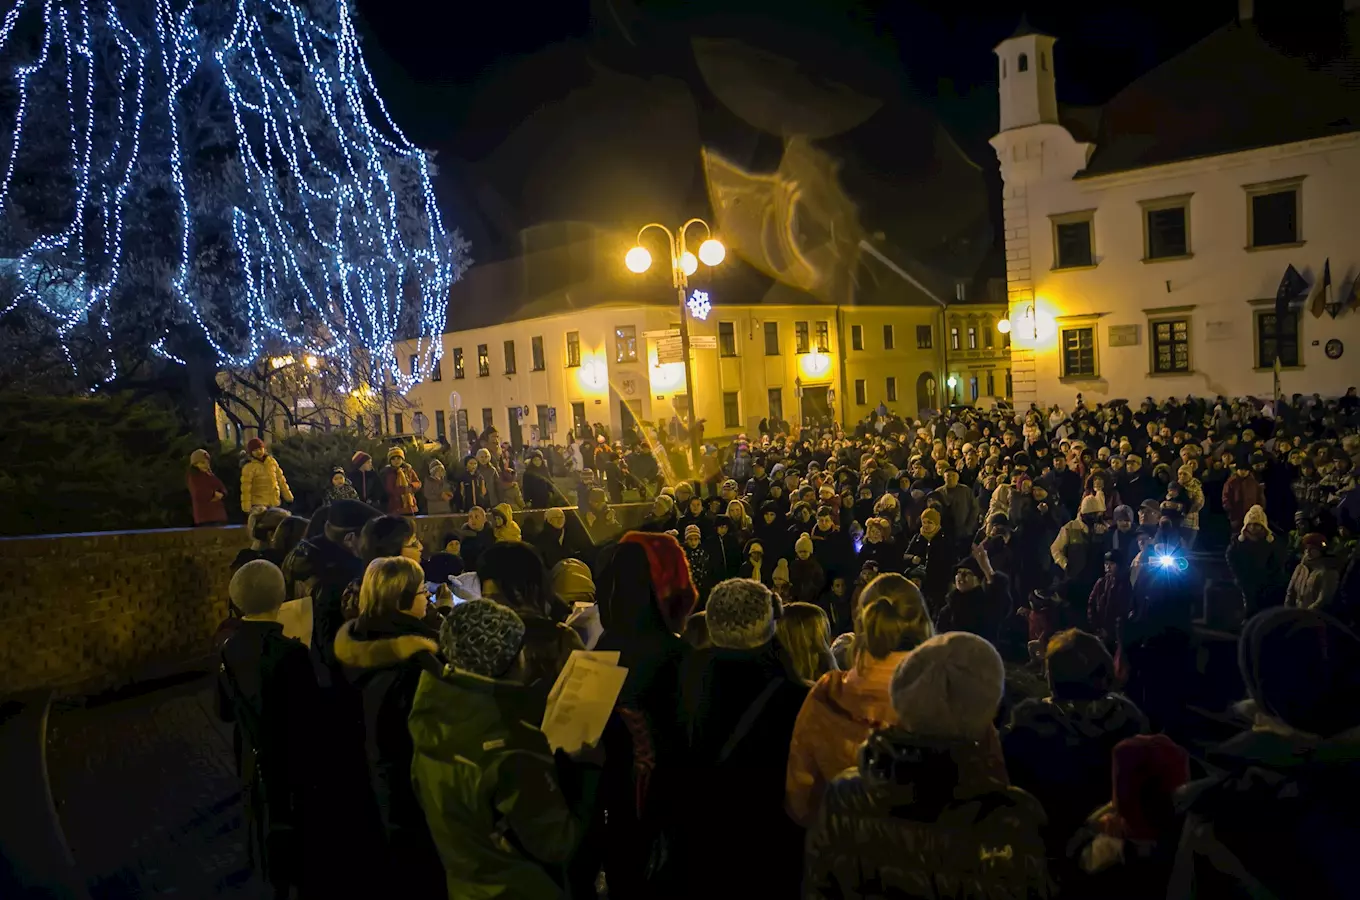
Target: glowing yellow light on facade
[689,263]
[952,382]
[312,362]
[638,260]
[667,376]
[593,374]
[814,363]
[1004,326]
[712,252]
[279,362]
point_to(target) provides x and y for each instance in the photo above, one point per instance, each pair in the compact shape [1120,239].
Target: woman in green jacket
[503,820]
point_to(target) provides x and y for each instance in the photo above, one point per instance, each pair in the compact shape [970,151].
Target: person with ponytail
[844,708]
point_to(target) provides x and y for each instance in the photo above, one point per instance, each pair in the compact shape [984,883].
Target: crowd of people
[945,658]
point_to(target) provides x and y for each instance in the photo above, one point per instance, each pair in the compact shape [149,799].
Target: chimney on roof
[1244,10]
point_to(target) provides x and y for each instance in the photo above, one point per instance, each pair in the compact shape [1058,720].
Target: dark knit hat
[670,575]
[349,515]
[1302,667]
[740,614]
[338,470]
[1147,771]
[482,637]
[948,687]
[359,458]
[1078,666]
[254,444]
[1020,459]
[257,587]
[968,564]
[1313,539]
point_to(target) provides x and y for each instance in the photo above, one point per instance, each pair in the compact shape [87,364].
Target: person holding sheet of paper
[502,813]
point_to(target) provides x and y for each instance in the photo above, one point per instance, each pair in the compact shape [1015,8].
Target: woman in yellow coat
[262,481]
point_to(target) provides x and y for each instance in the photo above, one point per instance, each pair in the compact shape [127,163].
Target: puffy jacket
[1258,569]
[1313,585]
[1060,750]
[926,819]
[401,498]
[499,815]
[1276,820]
[842,710]
[263,484]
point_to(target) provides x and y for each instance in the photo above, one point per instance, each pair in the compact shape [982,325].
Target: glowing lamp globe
[638,260]
[1004,326]
[712,252]
[952,381]
[689,263]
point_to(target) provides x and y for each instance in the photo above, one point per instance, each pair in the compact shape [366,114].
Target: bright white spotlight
[689,263]
[1004,326]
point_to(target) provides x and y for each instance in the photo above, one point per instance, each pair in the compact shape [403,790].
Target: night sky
[431,57]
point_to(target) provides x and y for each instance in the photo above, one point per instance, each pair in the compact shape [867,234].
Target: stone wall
[89,612]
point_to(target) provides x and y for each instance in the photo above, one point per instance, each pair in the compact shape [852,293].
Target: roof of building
[1242,87]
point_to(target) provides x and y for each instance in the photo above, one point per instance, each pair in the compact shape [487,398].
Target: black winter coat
[1060,751]
[732,830]
[1277,820]
[925,819]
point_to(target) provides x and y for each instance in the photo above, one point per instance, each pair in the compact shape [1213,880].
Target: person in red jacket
[1240,493]
[400,483]
[206,490]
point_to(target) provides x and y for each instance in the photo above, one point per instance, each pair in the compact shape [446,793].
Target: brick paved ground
[148,795]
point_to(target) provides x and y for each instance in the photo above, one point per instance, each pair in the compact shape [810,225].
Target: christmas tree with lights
[203,184]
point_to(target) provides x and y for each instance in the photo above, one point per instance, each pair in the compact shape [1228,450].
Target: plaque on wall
[1123,335]
[1334,349]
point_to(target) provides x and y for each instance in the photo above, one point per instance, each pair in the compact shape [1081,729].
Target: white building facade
[1128,280]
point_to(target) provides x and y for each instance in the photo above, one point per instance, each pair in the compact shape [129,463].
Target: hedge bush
[114,464]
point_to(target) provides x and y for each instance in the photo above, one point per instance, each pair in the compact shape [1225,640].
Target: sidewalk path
[147,793]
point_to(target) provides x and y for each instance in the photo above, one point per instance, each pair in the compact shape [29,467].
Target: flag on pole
[1318,302]
[1291,286]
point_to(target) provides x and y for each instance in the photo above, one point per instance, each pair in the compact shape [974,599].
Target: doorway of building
[630,413]
[516,432]
[926,391]
[816,404]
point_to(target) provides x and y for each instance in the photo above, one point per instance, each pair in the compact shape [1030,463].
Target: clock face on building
[1334,349]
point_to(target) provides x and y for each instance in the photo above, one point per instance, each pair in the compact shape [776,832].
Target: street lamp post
[683,265]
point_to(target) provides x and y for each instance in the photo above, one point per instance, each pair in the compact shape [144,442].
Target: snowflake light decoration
[699,305]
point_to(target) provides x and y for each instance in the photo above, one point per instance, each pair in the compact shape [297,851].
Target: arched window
[1022,64]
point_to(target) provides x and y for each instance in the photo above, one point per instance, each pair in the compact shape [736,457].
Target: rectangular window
[954,338]
[856,337]
[398,423]
[1170,345]
[625,343]
[1006,341]
[1079,352]
[541,411]
[991,383]
[892,389]
[536,349]
[510,358]
[1276,337]
[860,396]
[1274,214]
[1166,228]
[1072,240]
[776,403]
[437,374]
[800,337]
[972,337]
[987,337]
[823,337]
[731,409]
[973,387]
[458,371]
[1010,387]
[483,361]
[487,421]
[727,339]
[377,424]
[771,338]
[573,349]
[439,431]
[578,419]
[889,338]
[925,337]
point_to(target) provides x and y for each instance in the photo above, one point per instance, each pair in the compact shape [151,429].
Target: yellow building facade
[535,379]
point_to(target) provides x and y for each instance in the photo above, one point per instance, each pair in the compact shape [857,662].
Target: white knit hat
[949,687]
[740,614]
